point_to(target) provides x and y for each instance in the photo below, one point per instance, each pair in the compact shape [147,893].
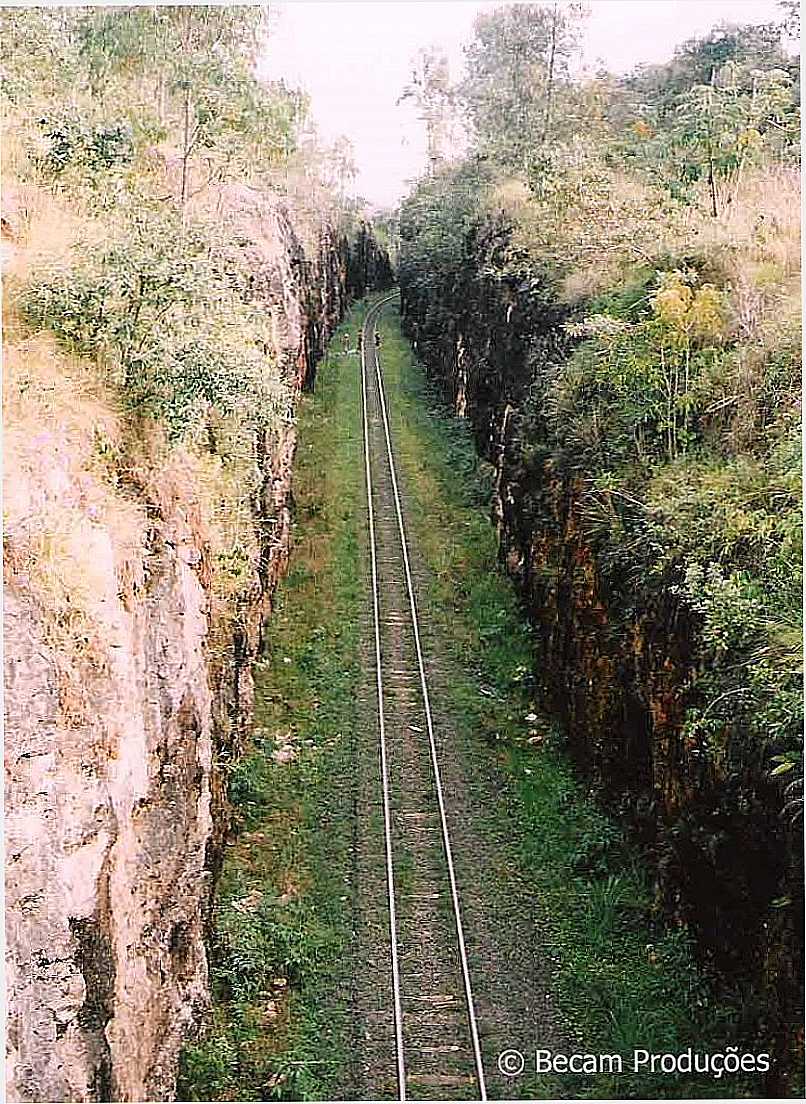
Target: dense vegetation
[141,117]
[139,149]
[607,285]
[178,247]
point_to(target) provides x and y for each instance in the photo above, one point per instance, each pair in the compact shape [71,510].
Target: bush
[74,143]
[141,303]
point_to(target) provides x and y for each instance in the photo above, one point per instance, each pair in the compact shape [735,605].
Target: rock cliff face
[107,824]
[116,750]
[616,660]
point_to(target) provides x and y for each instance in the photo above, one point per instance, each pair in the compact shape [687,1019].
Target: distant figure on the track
[345,342]
[377,339]
[360,340]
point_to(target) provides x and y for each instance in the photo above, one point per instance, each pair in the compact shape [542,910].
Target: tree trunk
[712,184]
[550,78]
[711,173]
[185,150]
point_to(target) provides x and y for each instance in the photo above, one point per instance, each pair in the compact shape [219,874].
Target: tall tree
[516,64]
[205,90]
[722,125]
[431,91]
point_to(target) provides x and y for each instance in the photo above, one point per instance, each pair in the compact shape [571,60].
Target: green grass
[623,977]
[280,960]
[280,1027]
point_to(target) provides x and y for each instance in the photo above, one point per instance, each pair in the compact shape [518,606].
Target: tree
[343,169]
[724,102]
[516,65]
[195,65]
[215,48]
[722,125]
[657,88]
[430,89]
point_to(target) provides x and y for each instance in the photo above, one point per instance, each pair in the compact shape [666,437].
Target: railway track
[436,1045]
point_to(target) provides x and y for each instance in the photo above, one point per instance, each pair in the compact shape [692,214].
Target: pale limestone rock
[114,808]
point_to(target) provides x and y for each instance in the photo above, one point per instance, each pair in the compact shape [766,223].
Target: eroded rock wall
[107,820]
[615,657]
[116,750]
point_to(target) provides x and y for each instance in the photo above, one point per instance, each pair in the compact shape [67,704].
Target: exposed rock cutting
[115,750]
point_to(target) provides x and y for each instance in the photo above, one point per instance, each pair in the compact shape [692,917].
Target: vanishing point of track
[436,1038]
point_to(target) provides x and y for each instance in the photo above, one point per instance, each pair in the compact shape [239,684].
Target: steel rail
[471,1013]
[387,816]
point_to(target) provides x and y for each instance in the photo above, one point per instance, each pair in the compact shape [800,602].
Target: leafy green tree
[517,63]
[696,61]
[196,64]
[722,125]
[725,101]
[431,91]
[341,167]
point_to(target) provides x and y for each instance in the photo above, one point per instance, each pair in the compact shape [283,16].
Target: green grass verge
[280,961]
[623,978]
[279,1027]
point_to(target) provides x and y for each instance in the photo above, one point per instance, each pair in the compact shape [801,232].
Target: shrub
[142,304]
[72,142]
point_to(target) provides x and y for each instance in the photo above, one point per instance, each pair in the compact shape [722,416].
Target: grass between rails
[623,979]
[279,961]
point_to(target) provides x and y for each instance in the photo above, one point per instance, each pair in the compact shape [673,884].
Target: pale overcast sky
[354,58]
